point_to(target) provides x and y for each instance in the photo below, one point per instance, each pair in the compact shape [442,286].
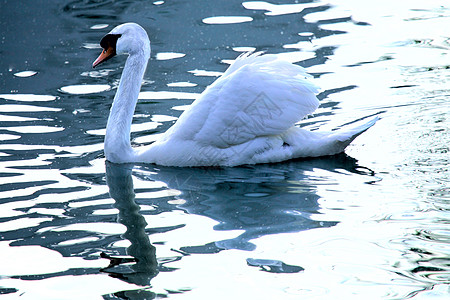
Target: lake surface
[372,223]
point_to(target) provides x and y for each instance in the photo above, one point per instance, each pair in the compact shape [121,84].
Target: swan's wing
[259,95]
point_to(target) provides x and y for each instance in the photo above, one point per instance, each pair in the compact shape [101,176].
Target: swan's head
[128,38]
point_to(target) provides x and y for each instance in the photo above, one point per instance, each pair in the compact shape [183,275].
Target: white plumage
[246,116]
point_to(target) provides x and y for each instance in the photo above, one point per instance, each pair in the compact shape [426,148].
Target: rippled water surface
[369,224]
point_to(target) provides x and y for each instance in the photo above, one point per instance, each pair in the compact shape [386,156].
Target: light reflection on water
[370,225]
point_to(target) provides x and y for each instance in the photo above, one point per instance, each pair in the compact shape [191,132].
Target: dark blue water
[368,224]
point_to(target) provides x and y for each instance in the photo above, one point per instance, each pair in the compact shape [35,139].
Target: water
[368,224]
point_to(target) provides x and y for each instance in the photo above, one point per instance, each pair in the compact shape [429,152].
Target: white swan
[247,116]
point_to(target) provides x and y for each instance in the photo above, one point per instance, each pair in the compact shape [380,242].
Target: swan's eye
[109,40]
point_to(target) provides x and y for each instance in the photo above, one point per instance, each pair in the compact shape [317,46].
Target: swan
[247,116]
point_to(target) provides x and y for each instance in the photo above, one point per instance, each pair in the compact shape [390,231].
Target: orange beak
[104,56]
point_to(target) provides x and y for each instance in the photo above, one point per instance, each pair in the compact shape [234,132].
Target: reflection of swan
[256,200]
[246,117]
[120,185]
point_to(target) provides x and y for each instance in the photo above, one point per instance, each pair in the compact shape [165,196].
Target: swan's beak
[104,56]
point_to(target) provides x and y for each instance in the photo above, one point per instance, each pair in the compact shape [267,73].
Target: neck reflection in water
[145,265]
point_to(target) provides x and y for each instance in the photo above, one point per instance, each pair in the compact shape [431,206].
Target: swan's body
[247,116]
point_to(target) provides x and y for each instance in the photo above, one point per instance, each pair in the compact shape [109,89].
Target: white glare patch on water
[81,89]
[147,208]
[181,84]
[98,227]
[305,34]
[168,55]
[28,97]
[227,61]
[25,73]
[22,261]
[105,212]
[278,9]
[5,137]
[227,20]
[75,287]
[198,72]
[158,95]
[25,108]
[34,129]
[180,107]
[47,211]
[91,46]
[22,223]
[244,49]
[99,26]
[6,118]
[177,202]
[80,111]
[158,2]
[79,241]
[162,118]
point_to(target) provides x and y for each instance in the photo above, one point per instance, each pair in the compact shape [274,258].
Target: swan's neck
[117,139]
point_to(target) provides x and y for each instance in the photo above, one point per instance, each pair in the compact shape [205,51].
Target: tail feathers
[346,136]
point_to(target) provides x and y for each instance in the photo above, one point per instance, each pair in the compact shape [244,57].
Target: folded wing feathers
[259,95]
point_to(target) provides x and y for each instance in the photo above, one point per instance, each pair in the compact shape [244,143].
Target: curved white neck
[117,139]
